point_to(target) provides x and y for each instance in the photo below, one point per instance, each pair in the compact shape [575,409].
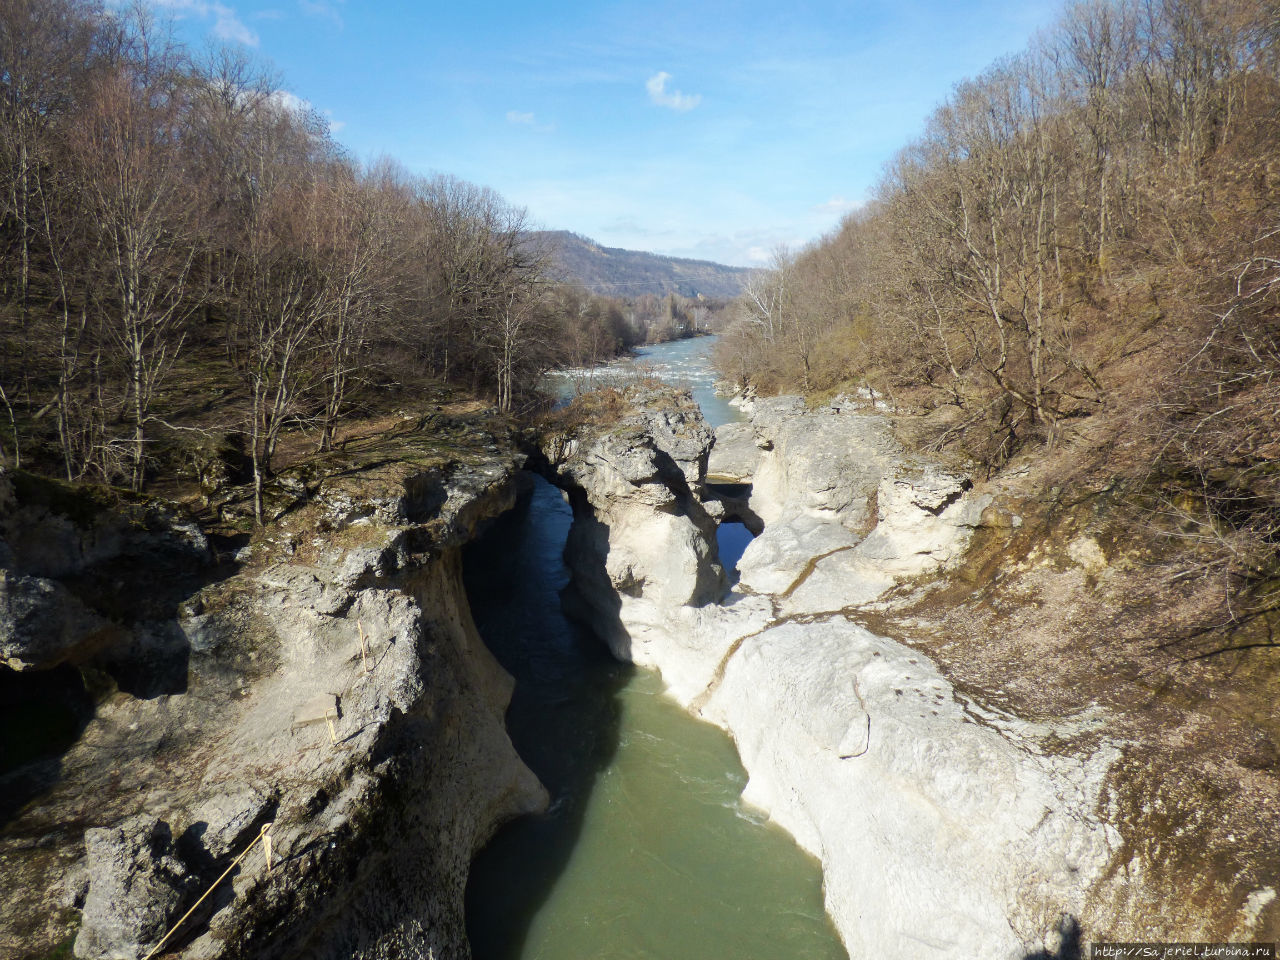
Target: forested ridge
[191,263]
[1083,245]
[611,271]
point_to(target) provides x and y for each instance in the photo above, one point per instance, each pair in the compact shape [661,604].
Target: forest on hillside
[1084,242]
[611,271]
[189,258]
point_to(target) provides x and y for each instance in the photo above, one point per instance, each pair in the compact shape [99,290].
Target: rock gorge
[970,790]
[952,817]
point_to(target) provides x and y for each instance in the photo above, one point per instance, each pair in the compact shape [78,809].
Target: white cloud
[758,255]
[520,119]
[292,103]
[657,87]
[229,27]
[322,9]
[227,24]
[835,205]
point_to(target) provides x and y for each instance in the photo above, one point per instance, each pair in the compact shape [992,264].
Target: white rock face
[939,836]
[735,454]
[922,524]
[774,561]
[944,829]
[643,541]
[824,464]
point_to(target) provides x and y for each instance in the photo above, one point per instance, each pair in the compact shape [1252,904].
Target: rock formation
[947,826]
[324,679]
[175,701]
[642,543]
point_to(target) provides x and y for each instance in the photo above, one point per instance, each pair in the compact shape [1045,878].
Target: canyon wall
[947,823]
[324,679]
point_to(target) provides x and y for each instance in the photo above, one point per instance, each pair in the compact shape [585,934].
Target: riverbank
[646,849]
[988,803]
[319,683]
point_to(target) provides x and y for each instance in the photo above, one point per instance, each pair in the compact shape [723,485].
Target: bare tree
[128,147]
[359,250]
[46,47]
[764,298]
[274,285]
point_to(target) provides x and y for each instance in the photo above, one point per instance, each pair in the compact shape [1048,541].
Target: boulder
[137,888]
[42,623]
[225,823]
[733,458]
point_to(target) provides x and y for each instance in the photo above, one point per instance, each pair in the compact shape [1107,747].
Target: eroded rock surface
[735,454]
[137,885]
[642,543]
[329,683]
[948,825]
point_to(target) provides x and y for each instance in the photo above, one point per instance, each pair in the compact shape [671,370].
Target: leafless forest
[1086,234]
[1084,242]
[189,258]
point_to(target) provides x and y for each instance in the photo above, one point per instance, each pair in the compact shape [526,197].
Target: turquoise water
[686,363]
[647,852]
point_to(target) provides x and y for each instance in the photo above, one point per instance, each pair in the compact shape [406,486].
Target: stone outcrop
[733,458]
[947,826]
[944,828]
[847,513]
[53,534]
[642,543]
[329,683]
[41,622]
[136,886]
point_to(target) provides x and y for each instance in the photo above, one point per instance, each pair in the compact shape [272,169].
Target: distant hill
[613,271]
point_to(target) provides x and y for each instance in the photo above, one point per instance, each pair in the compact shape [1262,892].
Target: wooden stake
[266,842]
[364,647]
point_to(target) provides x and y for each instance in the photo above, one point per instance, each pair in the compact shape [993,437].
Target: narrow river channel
[647,851]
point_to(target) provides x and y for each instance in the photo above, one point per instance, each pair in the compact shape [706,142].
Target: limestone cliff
[951,820]
[642,543]
[325,679]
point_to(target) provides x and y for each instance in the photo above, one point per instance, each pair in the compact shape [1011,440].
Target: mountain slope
[612,271]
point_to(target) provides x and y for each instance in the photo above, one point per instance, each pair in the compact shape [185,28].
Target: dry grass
[1087,604]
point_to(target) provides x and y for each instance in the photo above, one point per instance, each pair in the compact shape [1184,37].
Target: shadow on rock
[41,715]
[1069,943]
[93,587]
[591,598]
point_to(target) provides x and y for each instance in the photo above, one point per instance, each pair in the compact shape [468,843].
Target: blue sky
[713,130]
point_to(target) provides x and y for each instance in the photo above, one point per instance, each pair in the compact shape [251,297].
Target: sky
[711,130]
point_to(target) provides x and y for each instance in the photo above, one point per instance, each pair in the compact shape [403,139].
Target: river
[647,852]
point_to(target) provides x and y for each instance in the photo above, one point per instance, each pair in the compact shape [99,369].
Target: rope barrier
[262,836]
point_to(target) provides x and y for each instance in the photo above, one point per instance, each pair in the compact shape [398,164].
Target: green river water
[647,851]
